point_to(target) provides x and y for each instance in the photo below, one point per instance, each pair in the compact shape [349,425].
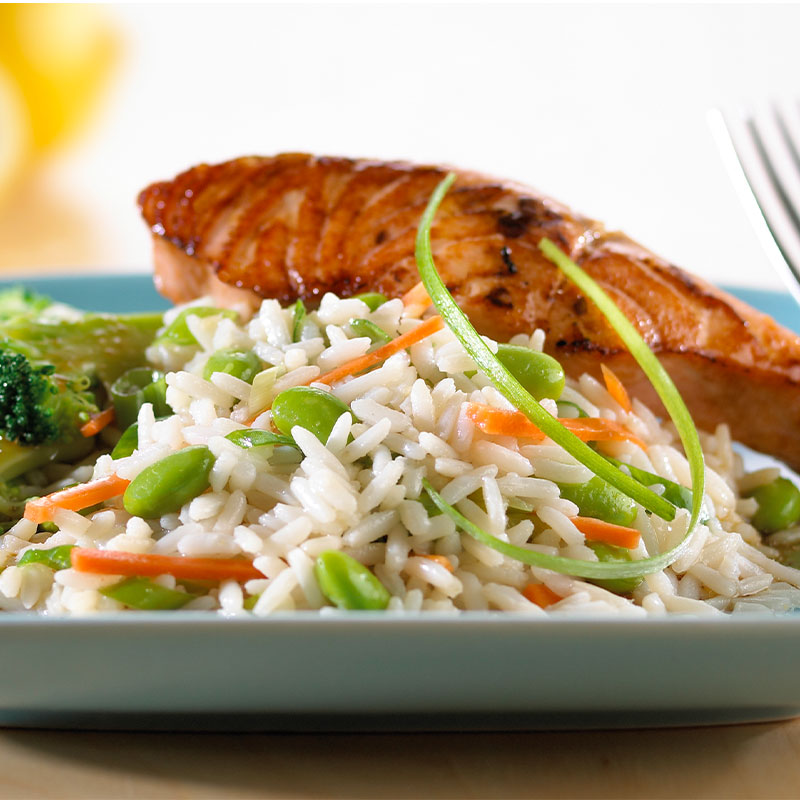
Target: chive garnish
[460,325]
[505,382]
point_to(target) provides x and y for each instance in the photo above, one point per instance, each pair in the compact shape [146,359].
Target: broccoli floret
[26,400]
[55,372]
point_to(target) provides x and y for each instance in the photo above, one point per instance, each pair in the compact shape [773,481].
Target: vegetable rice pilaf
[377,454]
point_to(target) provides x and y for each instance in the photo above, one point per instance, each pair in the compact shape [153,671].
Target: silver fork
[761,151]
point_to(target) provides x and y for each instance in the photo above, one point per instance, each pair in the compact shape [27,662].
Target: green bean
[599,499]
[376,334]
[372,300]
[163,487]
[299,316]
[539,374]
[608,553]
[312,409]
[778,505]
[177,332]
[242,364]
[133,389]
[678,495]
[55,558]
[146,595]
[251,437]
[349,584]
[127,443]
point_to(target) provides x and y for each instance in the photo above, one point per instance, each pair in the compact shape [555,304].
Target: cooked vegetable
[242,364]
[678,495]
[251,437]
[312,409]
[55,558]
[539,374]
[373,300]
[417,295]
[501,422]
[127,443]
[610,553]
[53,371]
[75,498]
[349,584]
[136,387]
[299,316]
[599,499]
[422,331]
[117,562]
[541,595]
[615,388]
[778,505]
[145,595]
[177,332]
[98,421]
[598,530]
[165,486]
[376,334]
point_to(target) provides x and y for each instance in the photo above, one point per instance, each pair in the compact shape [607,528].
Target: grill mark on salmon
[296,225]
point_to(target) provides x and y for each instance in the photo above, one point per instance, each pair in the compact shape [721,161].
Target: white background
[602,106]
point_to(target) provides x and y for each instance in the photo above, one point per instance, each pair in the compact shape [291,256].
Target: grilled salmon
[297,226]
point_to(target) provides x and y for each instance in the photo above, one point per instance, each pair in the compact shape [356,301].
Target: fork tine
[743,156]
[771,134]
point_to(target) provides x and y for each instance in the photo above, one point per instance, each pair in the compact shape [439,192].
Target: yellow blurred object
[15,134]
[59,56]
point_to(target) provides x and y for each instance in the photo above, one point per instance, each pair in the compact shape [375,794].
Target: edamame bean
[778,505]
[349,584]
[242,364]
[177,332]
[147,595]
[609,553]
[600,500]
[678,495]
[312,409]
[372,299]
[540,375]
[165,486]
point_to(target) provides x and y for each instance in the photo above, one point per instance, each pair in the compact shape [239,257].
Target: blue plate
[384,672]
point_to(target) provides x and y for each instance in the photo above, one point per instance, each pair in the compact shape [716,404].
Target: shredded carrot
[116,562]
[98,422]
[442,560]
[499,422]
[540,595]
[422,331]
[75,498]
[615,388]
[417,297]
[598,531]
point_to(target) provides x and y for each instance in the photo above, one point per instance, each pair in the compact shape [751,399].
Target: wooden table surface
[743,761]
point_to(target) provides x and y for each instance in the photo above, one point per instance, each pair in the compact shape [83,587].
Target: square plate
[346,671]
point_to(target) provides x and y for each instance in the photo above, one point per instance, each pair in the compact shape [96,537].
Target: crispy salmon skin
[297,226]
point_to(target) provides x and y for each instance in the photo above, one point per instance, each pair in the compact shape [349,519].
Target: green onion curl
[474,344]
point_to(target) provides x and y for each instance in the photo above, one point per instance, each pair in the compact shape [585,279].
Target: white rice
[361,491]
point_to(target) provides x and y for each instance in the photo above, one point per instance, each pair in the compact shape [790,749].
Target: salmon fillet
[297,226]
